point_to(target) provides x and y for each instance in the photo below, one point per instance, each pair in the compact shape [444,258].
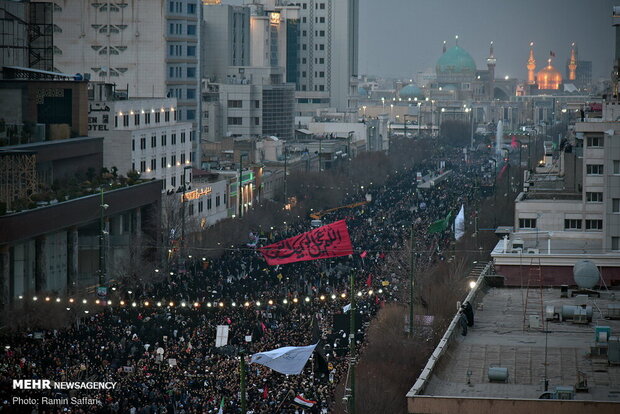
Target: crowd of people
[164,358]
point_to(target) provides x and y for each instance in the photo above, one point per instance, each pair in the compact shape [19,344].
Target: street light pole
[352,347]
[242,381]
[240,191]
[183,201]
[285,176]
[102,264]
[494,192]
[411,272]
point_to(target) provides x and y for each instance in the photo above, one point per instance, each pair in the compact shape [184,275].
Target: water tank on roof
[586,274]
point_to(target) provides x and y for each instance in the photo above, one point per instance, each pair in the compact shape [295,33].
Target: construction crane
[319,214]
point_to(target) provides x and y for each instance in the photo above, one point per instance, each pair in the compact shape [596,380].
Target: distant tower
[531,66]
[444,46]
[491,67]
[572,65]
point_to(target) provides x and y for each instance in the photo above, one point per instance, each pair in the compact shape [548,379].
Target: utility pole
[411,271]
[240,193]
[320,151]
[352,347]
[183,201]
[102,270]
[242,381]
[285,177]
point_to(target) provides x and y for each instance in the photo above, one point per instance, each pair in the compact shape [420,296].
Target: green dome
[456,60]
[411,91]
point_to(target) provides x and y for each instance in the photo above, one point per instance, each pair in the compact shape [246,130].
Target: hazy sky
[401,37]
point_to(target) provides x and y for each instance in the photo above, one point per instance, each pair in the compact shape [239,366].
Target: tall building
[149,48]
[328,55]
[27,34]
[140,134]
[226,33]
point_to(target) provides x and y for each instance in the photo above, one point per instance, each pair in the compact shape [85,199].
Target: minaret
[444,46]
[491,67]
[531,66]
[572,65]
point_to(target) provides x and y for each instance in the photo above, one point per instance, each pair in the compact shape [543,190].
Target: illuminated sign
[195,194]
[274,19]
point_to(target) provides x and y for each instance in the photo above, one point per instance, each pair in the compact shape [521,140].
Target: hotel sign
[274,19]
[196,194]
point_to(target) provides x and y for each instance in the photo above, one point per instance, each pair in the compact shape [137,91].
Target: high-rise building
[151,49]
[328,55]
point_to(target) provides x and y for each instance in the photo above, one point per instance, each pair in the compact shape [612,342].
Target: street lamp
[419,117]
[183,201]
[240,191]
[494,192]
[102,232]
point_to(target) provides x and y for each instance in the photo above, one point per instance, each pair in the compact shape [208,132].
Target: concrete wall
[429,404]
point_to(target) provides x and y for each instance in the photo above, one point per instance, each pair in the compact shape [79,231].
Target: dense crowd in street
[164,358]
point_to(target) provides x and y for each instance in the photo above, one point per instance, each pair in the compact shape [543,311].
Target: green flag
[221,410]
[440,225]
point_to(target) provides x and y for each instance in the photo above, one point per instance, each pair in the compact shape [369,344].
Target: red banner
[327,241]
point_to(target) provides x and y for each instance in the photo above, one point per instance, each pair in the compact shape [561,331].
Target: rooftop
[498,339]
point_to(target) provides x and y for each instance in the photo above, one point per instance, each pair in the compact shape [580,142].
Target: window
[191,8]
[191,73]
[163,162]
[191,29]
[191,114]
[173,160]
[191,50]
[182,137]
[527,223]
[595,142]
[615,243]
[115,121]
[594,169]
[322,6]
[616,166]
[615,205]
[235,103]
[163,140]
[173,139]
[209,204]
[173,181]
[594,197]
[147,118]
[572,224]
[191,208]
[125,120]
[200,206]
[256,120]
[191,93]
[142,166]
[133,144]
[595,225]
[234,120]
[321,33]
[183,158]
[157,117]
[153,164]
[257,104]
[153,141]
[217,201]
[136,119]
[167,116]
[142,143]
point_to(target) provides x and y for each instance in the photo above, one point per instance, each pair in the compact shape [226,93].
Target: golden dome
[548,77]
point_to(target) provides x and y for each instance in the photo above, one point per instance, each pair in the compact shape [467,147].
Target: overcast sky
[401,37]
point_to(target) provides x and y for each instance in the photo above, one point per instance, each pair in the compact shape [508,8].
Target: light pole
[240,195]
[285,177]
[419,117]
[183,201]
[102,264]
[494,192]
[352,347]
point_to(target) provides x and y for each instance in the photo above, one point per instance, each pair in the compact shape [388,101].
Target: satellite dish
[586,274]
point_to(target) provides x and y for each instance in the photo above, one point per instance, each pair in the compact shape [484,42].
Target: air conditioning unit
[533,251]
[517,251]
[517,244]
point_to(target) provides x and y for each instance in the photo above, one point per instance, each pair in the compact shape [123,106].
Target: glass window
[572,224]
[615,205]
[594,225]
[191,29]
[191,50]
[527,223]
[594,169]
[594,197]
[615,243]
[191,72]
[595,142]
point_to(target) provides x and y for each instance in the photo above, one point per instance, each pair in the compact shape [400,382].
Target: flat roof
[498,339]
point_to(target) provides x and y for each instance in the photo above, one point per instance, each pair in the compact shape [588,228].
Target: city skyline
[391,44]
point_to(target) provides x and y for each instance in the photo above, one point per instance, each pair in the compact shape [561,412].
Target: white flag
[289,360]
[346,308]
[221,336]
[459,224]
